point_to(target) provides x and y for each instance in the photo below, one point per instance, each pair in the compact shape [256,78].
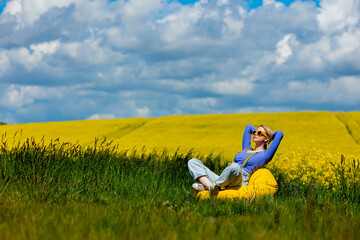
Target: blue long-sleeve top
[259,159]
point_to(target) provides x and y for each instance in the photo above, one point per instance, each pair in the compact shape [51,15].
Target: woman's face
[259,138]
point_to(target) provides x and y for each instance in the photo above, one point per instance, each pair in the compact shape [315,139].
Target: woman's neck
[259,147]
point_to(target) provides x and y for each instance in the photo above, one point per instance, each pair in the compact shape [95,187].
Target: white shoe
[214,190]
[198,187]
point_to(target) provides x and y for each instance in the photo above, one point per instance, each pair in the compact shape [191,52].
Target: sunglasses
[259,133]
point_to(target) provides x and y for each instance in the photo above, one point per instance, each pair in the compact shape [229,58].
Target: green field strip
[351,125]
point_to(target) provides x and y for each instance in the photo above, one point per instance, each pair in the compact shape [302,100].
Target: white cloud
[19,96]
[180,25]
[314,54]
[96,11]
[343,90]
[346,46]
[25,57]
[222,2]
[337,14]
[120,40]
[203,102]
[139,9]
[89,51]
[265,109]
[101,116]
[273,2]
[339,50]
[232,27]
[30,58]
[118,71]
[100,75]
[28,11]
[143,112]
[233,87]
[200,25]
[71,49]
[4,63]
[46,47]
[283,48]
[13,7]
[197,105]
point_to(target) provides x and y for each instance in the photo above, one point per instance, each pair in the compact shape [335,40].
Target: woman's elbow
[278,135]
[249,126]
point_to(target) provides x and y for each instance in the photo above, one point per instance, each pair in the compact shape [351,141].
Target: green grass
[62,191]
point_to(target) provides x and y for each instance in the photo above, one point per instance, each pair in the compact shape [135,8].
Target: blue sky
[82,59]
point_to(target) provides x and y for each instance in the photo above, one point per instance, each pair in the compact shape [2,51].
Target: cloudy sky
[90,59]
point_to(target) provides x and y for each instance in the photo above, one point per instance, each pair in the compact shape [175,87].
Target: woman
[246,162]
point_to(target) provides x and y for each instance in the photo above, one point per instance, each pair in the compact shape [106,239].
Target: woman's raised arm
[246,143]
[278,135]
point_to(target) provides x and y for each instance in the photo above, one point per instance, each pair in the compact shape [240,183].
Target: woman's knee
[193,162]
[234,167]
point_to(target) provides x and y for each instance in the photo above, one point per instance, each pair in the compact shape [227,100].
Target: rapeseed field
[312,142]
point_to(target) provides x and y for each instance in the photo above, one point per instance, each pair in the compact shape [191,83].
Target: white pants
[232,176]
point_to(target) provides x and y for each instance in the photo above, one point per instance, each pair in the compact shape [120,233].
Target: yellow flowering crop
[310,165]
[311,139]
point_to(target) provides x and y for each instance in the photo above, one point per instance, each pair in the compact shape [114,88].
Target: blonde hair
[269,133]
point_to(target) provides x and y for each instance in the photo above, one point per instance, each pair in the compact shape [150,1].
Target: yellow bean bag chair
[261,183]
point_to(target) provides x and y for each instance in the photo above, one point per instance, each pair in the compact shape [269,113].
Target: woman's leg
[201,173]
[205,181]
[230,177]
[245,177]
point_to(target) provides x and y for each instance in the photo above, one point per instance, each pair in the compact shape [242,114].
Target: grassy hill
[217,133]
